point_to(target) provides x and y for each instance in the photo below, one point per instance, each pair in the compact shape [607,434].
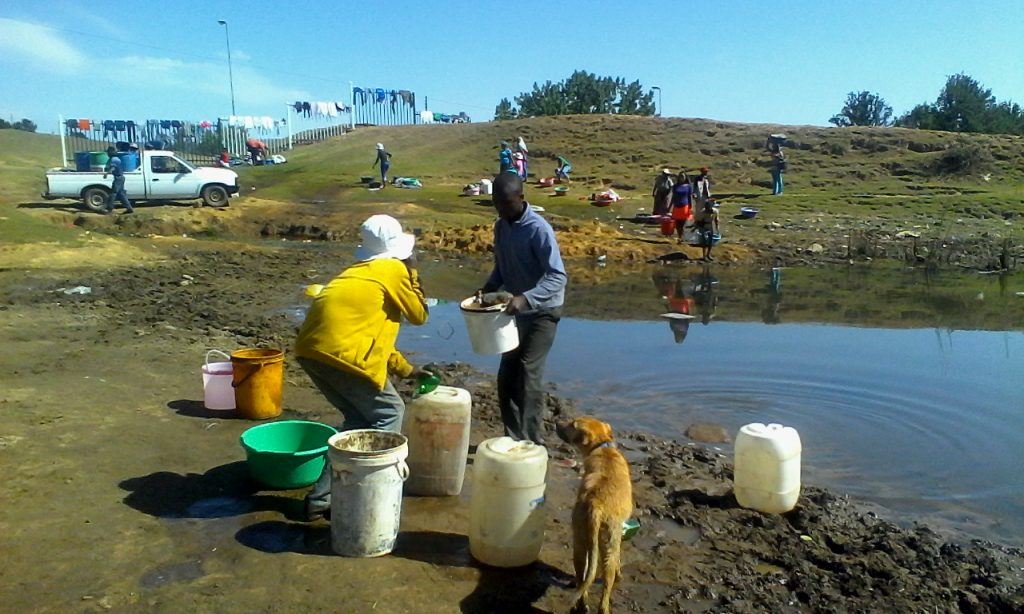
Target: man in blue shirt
[527,264]
[117,188]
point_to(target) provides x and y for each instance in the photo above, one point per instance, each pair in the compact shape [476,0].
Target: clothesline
[380,95]
[321,108]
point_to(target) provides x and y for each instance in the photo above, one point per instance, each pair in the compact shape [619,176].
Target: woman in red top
[682,202]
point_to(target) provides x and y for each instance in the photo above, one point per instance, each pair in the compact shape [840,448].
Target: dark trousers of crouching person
[521,395]
[363,407]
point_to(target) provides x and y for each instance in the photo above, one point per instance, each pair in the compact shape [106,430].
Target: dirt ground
[124,494]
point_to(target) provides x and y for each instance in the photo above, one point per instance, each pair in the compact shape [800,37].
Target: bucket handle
[403,470]
[224,354]
[259,366]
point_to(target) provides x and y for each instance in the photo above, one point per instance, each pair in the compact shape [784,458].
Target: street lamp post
[231,74]
[655,87]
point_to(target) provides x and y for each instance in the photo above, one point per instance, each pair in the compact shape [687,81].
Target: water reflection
[878,370]
[773,298]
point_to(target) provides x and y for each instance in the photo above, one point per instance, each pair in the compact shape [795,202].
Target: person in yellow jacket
[347,343]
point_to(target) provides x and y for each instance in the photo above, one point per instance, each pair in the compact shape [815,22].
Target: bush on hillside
[963,158]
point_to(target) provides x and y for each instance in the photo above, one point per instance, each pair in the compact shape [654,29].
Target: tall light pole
[655,87]
[231,74]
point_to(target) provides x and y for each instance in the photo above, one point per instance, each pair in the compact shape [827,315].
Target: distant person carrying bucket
[522,149]
[384,158]
[347,343]
[682,203]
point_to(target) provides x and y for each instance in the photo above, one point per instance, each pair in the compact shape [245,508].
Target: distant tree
[922,117]
[581,93]
[964,105]
[4,124]
[504,110]
[863,109]
[25,124]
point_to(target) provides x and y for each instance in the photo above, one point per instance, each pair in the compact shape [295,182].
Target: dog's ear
[606,432]
[581,434]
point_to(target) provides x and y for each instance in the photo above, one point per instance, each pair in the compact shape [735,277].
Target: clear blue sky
[789,62]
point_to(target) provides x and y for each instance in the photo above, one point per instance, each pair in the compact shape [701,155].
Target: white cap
[380,145]
[383,238]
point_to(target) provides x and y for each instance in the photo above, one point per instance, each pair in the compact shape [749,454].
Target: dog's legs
[589,526]
[611,542]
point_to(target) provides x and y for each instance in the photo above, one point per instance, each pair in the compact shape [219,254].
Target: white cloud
[38,46]
[253,91]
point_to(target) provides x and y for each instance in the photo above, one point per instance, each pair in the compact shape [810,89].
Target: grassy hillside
[838,179]
[24,157]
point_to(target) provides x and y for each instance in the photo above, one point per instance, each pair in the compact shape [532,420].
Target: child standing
[706,223]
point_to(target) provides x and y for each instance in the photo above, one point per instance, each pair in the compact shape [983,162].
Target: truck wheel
[95,199]
[215,196]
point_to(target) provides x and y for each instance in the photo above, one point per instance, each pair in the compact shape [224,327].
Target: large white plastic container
[437,426]
[367,471]
[486,187]
[506,510]
[766,475]
[218,394]
[491,331]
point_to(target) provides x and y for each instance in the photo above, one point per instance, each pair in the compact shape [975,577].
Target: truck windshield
[169,164]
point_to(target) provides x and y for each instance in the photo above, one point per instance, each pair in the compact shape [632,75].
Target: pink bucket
[218,393]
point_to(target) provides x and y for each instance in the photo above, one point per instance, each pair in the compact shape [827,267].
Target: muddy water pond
[901,396]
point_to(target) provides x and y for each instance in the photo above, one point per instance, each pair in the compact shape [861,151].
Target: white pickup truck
[161,176]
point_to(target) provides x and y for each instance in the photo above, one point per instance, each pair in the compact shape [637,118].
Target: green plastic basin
[286,454]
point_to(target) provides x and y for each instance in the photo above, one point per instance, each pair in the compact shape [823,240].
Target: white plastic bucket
[506,508]
[218,394]
[486,187]
[491,330]
[766,476]
[367,471]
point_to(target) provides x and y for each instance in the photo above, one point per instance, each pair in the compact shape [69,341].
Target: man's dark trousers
[521,376]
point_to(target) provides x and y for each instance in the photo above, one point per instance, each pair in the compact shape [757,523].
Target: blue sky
[787,61]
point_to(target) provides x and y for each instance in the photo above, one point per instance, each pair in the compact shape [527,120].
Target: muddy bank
[617,237]
[183,528]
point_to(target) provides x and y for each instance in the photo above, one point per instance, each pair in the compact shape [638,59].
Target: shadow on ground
[225,490]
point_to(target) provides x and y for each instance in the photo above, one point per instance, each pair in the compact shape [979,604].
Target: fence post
[289,119]
[352,107]
[63,145]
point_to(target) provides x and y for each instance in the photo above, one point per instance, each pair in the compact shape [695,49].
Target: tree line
[581,93]
[25,124]
[963,105]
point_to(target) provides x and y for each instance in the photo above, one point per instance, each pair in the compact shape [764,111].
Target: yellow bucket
[257,380]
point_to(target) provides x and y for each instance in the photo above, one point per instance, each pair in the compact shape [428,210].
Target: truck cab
[161,176]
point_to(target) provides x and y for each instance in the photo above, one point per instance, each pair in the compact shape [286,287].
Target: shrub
[963,158]
[833,149]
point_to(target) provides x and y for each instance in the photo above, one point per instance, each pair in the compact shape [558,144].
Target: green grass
[839,178]
[871,174]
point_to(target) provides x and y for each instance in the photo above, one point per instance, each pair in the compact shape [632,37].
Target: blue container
[81,161]
[129,160]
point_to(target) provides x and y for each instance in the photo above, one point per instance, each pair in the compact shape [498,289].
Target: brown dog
[603,502]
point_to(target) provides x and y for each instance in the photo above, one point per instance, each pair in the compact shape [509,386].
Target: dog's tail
[593,558]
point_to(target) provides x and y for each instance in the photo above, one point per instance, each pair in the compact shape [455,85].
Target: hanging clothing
[84,124]
[268,122]
[307,109]
[382,95]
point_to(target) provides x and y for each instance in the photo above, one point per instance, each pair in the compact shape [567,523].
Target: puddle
[218,507]
[169,574]
[654,531]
